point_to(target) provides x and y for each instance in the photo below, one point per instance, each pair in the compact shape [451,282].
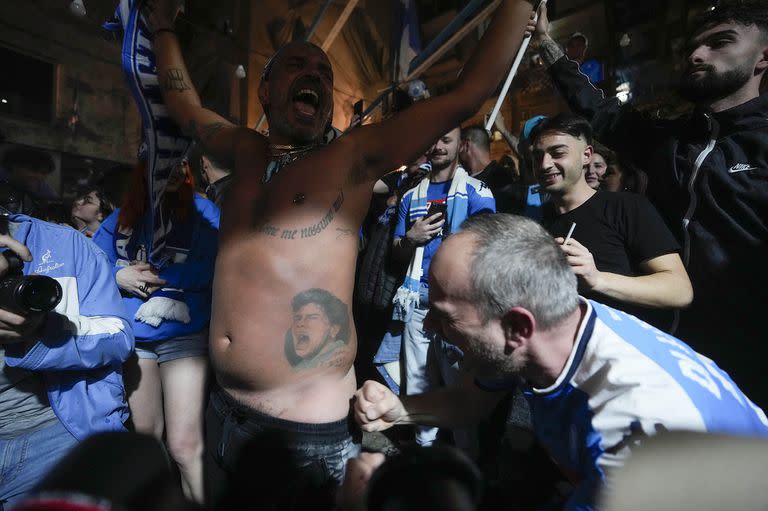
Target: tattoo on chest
[343,233]
[320,331]
[310,231]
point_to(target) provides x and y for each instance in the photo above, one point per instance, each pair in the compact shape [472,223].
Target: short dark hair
[477,135]
[106,205]
[334,308]
[742,12]
[569,124]
[28,157]
[608,155]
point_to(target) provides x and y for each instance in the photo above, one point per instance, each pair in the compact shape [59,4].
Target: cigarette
[570,232]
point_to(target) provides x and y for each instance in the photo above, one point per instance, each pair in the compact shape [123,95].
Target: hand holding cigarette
[570,233]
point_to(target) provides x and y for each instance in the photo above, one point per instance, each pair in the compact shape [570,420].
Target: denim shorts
[284,464]
[185,346]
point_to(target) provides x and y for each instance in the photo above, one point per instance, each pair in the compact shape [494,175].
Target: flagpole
[512,73]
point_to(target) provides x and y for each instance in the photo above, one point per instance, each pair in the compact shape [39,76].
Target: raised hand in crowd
[538,27]
[161,14]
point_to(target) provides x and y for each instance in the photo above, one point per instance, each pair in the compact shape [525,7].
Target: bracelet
[172,31]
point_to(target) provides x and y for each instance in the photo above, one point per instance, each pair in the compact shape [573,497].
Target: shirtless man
[288,232]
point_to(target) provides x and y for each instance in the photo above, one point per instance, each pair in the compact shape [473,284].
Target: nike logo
[741,167]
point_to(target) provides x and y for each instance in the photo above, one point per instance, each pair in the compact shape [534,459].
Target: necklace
[282,155]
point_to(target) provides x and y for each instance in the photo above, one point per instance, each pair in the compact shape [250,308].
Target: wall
[108,125]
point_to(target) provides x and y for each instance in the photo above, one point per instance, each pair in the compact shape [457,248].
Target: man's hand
[498,122]
[539,28]
[161,14]
[13,327]
[16,328]
[139,279]
[6,241]
[352,494]
[424,229]
[582,263]
[376,407]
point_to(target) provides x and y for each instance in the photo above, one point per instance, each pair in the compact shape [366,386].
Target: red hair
[179,203]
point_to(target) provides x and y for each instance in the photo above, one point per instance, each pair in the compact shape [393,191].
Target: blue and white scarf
[163,144]
[407,296]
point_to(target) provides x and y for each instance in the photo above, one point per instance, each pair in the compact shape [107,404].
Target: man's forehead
[301,49]
[556,138]
[449,268]
[453,134]
[716,28]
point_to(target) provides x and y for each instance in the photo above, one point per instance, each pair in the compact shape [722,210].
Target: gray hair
[516,263]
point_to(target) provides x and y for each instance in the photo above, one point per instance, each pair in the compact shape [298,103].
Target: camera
[24,294]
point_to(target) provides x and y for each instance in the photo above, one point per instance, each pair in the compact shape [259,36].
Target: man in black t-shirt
[622,252]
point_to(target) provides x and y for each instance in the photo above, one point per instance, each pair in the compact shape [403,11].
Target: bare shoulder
[351,147]
[249,144]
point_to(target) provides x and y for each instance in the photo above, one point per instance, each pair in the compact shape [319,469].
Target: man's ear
[335,331]
[762,64]
[518,325]
[586,156]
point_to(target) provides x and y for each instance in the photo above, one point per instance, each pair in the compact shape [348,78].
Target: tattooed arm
[403,137]
[216,135]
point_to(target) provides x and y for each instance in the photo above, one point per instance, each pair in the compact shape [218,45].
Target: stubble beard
[443,165]
[713,86]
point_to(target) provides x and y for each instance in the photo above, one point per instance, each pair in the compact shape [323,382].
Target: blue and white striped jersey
[626,380]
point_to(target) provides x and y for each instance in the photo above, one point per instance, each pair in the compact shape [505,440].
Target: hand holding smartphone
[435,208]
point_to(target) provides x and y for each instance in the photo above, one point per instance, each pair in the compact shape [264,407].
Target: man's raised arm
[212,131]
[402,138]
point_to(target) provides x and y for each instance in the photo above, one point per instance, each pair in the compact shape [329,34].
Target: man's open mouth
[306,101]
[549,177]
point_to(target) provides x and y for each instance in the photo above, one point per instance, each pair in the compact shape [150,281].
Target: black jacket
[709,179]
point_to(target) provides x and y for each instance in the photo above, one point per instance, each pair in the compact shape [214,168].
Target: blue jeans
[281,464]
[25,459]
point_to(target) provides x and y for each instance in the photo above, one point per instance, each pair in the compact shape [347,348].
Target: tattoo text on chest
[304,232]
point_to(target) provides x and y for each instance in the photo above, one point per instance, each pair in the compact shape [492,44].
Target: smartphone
[437,207]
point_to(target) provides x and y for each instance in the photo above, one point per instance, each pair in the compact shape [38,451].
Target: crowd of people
[532,320]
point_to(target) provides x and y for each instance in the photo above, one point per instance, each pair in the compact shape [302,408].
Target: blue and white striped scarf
[407,296]
[163,144]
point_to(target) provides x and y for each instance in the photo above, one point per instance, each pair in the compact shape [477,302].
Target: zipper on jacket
[692,192]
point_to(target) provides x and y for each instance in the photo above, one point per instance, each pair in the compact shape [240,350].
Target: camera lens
[40,293]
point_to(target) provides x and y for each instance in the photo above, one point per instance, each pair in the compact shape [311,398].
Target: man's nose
[698,55]
[543,163]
